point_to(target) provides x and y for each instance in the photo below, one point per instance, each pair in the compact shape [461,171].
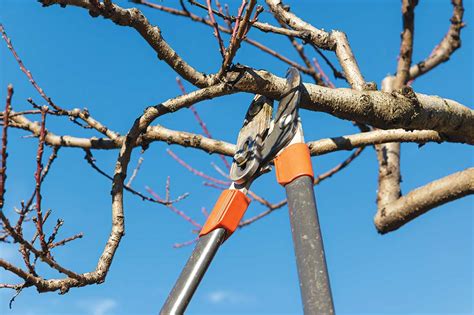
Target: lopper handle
[192,274]
[221,223]
[294,171]
[309,249]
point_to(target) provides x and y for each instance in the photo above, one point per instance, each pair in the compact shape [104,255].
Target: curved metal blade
[286,119]
[247,159]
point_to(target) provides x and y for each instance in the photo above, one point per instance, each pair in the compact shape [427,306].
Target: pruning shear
[261,141]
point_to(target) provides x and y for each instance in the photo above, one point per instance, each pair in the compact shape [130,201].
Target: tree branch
[300,50]
[389,154]
[448,45]
[196,18]
[423,199]
[4,154]
[399,109]
[350,142]
[336,41]
[152,34]
[186,139]
[239,32]
[406,48]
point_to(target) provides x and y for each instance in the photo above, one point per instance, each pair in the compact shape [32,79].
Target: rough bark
[419,201]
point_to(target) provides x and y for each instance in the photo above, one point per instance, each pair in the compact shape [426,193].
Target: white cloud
[104,306]
[99,306]
[228,297]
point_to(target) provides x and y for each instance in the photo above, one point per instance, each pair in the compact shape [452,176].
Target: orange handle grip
[293,162]
[227,212]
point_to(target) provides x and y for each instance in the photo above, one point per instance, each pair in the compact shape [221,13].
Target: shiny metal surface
[193,272]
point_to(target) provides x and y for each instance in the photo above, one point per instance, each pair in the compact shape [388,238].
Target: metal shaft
[309,250]
[193,272]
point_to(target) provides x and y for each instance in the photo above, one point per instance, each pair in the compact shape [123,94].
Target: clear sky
[426,267]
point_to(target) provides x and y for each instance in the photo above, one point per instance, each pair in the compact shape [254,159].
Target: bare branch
[335,40]
[27,72]
[278,55]
[201,122]
[135,171]
[264,27]
[195,171]
[91,161]
[336,73]
[351,142]
[152,34]
[66,240]
[187,243]
[217,34]
[338,167]
[448,45]
[323,146]
[228,30]
[300,49]
[388,154]
[39,170]
[316,36]
[4,154]
[423,199]
[399,109]
[175,210]
[240,30]
[325,78]
[406,47]
[98,275]
[422,118]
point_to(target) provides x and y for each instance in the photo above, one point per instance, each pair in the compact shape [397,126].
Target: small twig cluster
[30,211]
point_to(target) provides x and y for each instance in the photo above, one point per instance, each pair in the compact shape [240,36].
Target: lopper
[263,141]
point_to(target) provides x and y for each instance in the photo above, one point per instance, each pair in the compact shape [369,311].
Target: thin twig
[4,154]
[204,212]
[337,74]
[228,30]
[184,244]
[240,31]
[90,159]
[175,210]
[448,45]
[406,47]
[26,207]
[217,34]
[326,79]
[56,228]
[39,169]
[27,72]
[67,240]
[195,171]
[135,171]
[201,122]
[300,50]
[338,167]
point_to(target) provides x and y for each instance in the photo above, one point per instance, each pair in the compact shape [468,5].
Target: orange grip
[293,162]
[227,213]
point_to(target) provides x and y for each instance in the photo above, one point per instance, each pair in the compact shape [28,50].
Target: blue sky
[423,268]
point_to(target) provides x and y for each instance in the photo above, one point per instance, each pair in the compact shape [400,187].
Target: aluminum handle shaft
[193,272]
[309,249]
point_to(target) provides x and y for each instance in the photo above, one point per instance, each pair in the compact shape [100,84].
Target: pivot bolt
[241,157]
[285,120]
